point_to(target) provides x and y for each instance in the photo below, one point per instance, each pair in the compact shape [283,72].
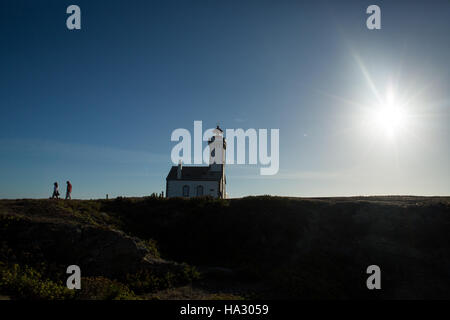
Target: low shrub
[101,288]
[27,283]
[145,281]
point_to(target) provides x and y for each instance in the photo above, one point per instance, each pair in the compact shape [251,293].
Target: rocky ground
[255,247]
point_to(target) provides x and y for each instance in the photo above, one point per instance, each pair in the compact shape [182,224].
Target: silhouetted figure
[69,191]
[55,191]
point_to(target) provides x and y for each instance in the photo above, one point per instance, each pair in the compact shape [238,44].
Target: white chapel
[196,181]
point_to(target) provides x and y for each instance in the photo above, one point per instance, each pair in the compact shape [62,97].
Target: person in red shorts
[69,191]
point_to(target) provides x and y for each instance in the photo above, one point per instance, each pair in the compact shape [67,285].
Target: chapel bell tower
[217,151]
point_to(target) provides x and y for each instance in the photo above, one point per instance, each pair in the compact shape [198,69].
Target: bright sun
[389,116]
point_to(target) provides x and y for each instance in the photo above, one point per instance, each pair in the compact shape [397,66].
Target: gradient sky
[97,106]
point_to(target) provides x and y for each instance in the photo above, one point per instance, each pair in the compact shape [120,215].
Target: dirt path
[209,289]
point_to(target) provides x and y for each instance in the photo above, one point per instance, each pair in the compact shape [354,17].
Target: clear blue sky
[97,106]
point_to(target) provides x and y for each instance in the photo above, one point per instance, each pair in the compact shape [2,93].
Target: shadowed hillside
[254,247]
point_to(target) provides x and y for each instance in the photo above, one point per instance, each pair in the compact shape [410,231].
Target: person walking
[55,191]
[69,191]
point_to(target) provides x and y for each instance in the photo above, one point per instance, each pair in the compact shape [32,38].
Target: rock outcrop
[97,250]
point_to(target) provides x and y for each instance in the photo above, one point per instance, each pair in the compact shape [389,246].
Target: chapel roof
[195,173]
